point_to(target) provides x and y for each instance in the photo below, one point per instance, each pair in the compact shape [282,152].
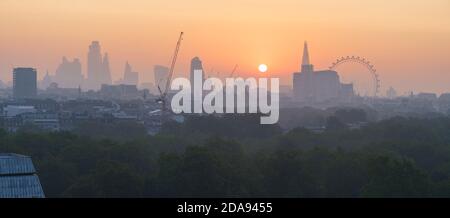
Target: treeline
[234,156]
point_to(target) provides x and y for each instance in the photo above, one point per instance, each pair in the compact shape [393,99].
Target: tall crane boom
[163,93]
[172,66]
[234,69]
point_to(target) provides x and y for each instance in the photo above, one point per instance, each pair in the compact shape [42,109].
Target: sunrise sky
[407,40]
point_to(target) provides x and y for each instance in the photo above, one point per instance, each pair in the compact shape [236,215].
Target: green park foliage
[234,156]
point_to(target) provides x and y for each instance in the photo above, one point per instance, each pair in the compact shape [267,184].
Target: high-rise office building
[94,65]
[129,76]
[196,64]
[98,71]
[106,72]
[68,74]
[24,82]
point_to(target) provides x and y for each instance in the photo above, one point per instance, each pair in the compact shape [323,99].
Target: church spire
[306,67]
[305,60]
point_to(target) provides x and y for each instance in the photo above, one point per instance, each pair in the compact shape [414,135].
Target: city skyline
[250,106]
[409,46]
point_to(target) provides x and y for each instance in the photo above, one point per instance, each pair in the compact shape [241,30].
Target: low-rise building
[18,178]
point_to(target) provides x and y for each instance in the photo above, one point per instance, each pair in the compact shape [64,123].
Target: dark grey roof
[15,164]
[18,177]
[27,186]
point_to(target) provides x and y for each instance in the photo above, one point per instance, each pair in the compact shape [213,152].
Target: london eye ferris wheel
[370,84]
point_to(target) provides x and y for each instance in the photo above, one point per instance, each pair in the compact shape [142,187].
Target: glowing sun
[262,68]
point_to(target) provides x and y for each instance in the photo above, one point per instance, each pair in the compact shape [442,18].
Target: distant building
[24,83]
[37,103]
[346,91]
[54,91]
[44,121]
[196,64]
[98,72]
[121,91]
[14,117]
[46,81]
[106,71]
[161,75]
[149,86]
[14,110]
[68,74]
[391,93]
[318,86]
[18,177]
[122,88]
[129,76]
[427,96]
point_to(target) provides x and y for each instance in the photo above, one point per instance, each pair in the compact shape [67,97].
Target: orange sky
[407,40]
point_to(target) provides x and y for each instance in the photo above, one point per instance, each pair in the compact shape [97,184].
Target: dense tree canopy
[234,156]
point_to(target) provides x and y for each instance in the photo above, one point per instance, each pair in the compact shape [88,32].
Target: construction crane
[163,93]
[234,69]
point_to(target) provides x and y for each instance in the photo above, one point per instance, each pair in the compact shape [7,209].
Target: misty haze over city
[408,45]
[238,107]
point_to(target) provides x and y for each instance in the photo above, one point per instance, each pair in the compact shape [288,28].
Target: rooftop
[12,164]
[18,177]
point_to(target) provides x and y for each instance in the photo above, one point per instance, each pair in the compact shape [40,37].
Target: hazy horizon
[407,41]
